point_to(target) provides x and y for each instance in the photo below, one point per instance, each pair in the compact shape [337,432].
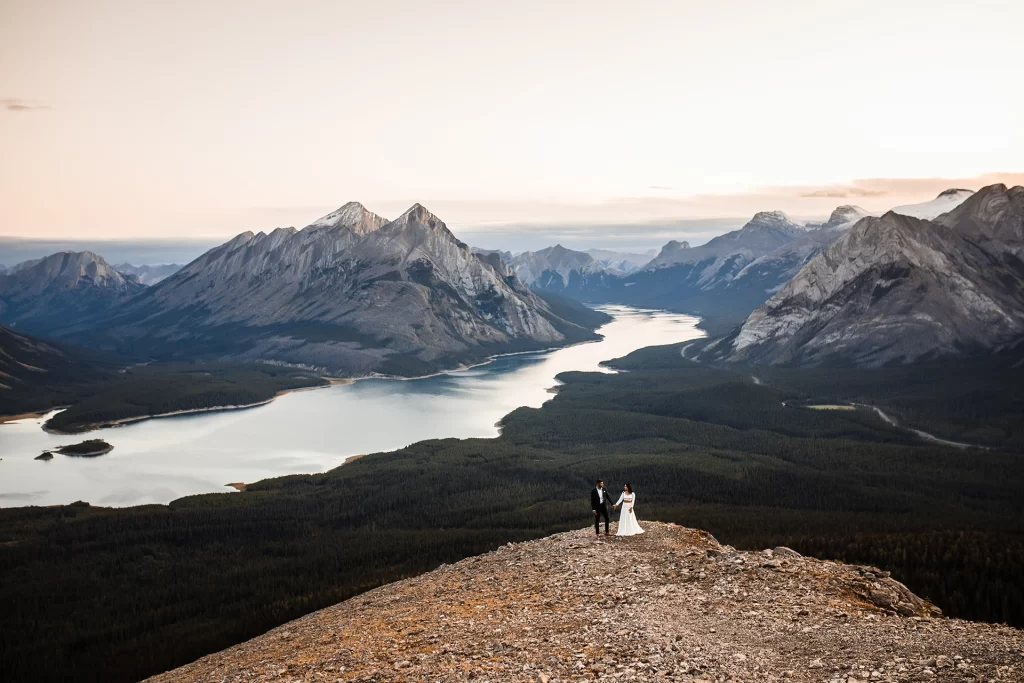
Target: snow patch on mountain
[946,201]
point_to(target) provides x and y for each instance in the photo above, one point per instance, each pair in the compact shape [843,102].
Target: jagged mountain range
[898,289]
[352,293]
[731,275]
[356,293]
[726,278]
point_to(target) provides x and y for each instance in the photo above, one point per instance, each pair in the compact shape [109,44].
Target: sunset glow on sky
[123,118]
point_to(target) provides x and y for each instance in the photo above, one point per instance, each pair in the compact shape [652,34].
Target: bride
[628,525]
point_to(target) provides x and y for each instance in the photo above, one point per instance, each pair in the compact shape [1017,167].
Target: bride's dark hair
[629,487]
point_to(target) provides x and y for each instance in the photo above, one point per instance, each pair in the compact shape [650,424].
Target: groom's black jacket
[595,500]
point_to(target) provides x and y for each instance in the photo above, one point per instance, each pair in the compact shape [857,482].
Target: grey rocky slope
[898,289]
[352,294]
[149,275]
[47,295]
[670,605]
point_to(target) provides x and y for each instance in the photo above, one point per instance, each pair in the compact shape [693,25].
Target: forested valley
[117,594]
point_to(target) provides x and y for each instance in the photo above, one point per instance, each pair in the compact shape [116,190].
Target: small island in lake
[46,455]
[86,449]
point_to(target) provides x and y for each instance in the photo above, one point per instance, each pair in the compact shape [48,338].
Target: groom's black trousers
[602,510]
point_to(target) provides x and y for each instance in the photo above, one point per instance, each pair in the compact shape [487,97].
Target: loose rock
[670,605]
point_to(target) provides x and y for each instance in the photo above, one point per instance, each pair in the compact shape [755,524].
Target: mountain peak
[238,240]
[353,216]
[64,261]
[417,212]
[420,217]
[956,191]
[407,290]
[770,219]
[844,216]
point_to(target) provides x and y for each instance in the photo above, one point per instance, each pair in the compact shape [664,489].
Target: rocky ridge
[350,294]
[670,605]
[898,288]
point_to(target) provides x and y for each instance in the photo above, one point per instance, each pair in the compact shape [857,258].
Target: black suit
[600,508]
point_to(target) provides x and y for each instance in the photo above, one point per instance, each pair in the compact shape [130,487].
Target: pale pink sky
[145,118]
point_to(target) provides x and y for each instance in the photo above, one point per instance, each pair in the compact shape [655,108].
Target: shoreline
[331,382]
[120,422]
[32,415]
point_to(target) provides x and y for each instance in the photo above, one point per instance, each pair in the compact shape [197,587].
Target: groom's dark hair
[599,481]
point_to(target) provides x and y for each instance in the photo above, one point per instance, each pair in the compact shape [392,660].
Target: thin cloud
[659,187]
[845,192]
[19,105]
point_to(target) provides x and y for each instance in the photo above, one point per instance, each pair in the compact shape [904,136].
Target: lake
[159,460]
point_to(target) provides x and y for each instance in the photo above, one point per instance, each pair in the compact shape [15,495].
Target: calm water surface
[156,461]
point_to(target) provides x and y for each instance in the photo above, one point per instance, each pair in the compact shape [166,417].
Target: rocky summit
[670,605]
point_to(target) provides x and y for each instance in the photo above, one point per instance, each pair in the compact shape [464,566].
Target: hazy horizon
[627,237]
[124,120]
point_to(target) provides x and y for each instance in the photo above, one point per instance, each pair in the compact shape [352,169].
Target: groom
[599,503]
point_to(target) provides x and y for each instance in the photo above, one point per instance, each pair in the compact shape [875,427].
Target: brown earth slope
[671,605]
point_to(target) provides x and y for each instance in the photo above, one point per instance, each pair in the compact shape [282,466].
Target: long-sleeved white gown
[628,526]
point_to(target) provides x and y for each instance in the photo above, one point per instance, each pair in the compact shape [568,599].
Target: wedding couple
[599,502]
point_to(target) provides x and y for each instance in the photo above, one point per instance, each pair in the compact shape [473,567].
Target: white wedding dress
[628,526]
